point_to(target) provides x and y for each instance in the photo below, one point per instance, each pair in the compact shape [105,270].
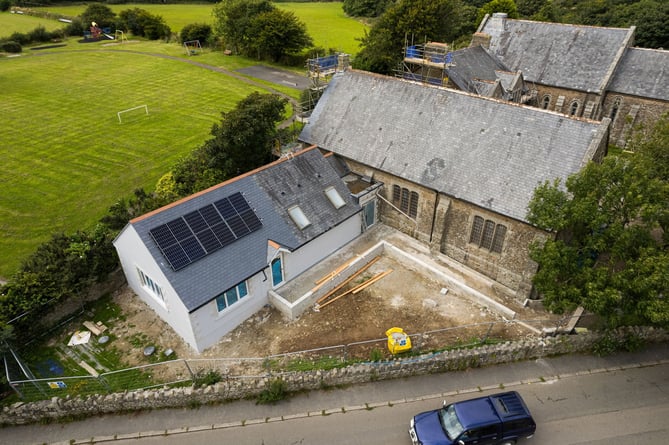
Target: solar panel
[223,233]
[193,248]
[176,257]
[225,208]
[195,221]
[179,228]
[209,241]
[201,232]
[251,220]
[162,235]
[237,225]
[211,215]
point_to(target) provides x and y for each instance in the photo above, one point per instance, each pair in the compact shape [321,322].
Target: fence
[188,372]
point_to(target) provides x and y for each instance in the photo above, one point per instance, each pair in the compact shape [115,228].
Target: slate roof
[473,63]
[568,56]
[301,179]
[644,73]
[487,152]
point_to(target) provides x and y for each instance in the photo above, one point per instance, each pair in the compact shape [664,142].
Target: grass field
[11,23]
[65,156]
[326,22]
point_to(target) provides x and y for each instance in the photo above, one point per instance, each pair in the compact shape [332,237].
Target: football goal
[129,110]
[192,47]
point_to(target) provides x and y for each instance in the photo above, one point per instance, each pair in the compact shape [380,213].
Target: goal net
[134,111]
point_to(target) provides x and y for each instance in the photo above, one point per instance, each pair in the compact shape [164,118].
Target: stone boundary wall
[58,408]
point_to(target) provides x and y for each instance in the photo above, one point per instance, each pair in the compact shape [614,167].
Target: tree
[507,6]
[196,31]
[142,23]
[242,141]
[232,21]
[422,20]
[277,33]
[365,8]
[610,252]
[98,13]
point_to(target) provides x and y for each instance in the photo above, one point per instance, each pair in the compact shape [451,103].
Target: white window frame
[334,197]
[238,296]
[298,217]
[151,287]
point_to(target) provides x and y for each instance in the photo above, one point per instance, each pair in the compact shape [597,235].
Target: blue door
[369,210]
[277,272]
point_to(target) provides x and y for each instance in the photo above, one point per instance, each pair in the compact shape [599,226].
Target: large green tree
[411,20]
[242,141]
[277,33]
[610,254]
[365,8]
[256,28]
[507,6]
[101,14]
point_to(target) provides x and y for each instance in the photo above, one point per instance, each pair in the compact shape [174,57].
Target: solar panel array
[195,235]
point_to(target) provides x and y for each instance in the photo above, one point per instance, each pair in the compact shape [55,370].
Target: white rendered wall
[132,254]
[302,259]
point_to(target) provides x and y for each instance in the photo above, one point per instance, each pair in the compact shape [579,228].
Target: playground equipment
[192,47]
[120,36]
[96,33]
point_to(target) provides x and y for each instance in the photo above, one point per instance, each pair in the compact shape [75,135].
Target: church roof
[487,152]
[644,73]
[568,56]
[470,64]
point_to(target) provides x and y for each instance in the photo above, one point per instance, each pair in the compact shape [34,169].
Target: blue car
[499,419]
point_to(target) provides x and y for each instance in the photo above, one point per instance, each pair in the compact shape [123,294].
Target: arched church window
[573,108]
[618,101]
[546,102]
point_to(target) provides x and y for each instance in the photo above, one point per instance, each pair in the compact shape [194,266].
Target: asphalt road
[576,399]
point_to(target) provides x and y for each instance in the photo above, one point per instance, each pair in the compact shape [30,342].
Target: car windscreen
[450,422]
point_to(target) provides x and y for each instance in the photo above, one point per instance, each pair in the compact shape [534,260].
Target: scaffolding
[427,63]
[320,70]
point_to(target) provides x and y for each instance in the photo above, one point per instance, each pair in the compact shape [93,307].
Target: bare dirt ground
[404,298]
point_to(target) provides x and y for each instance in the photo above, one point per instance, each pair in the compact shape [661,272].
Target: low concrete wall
[232,389]
[442,277]
[295,309]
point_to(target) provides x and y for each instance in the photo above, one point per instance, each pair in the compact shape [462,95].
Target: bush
[39,35]
[275,391]
[210,377]
[11,47]
[610,343]
[144,24]
[76,28]
[20,38]
[5,5]
[196,31]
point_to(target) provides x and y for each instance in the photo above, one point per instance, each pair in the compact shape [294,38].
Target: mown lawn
[66,157]
[11,23]
[326,22]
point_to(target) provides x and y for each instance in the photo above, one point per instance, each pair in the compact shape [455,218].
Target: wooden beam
[358,288]
[345,282]
[372,281]
[337,270]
